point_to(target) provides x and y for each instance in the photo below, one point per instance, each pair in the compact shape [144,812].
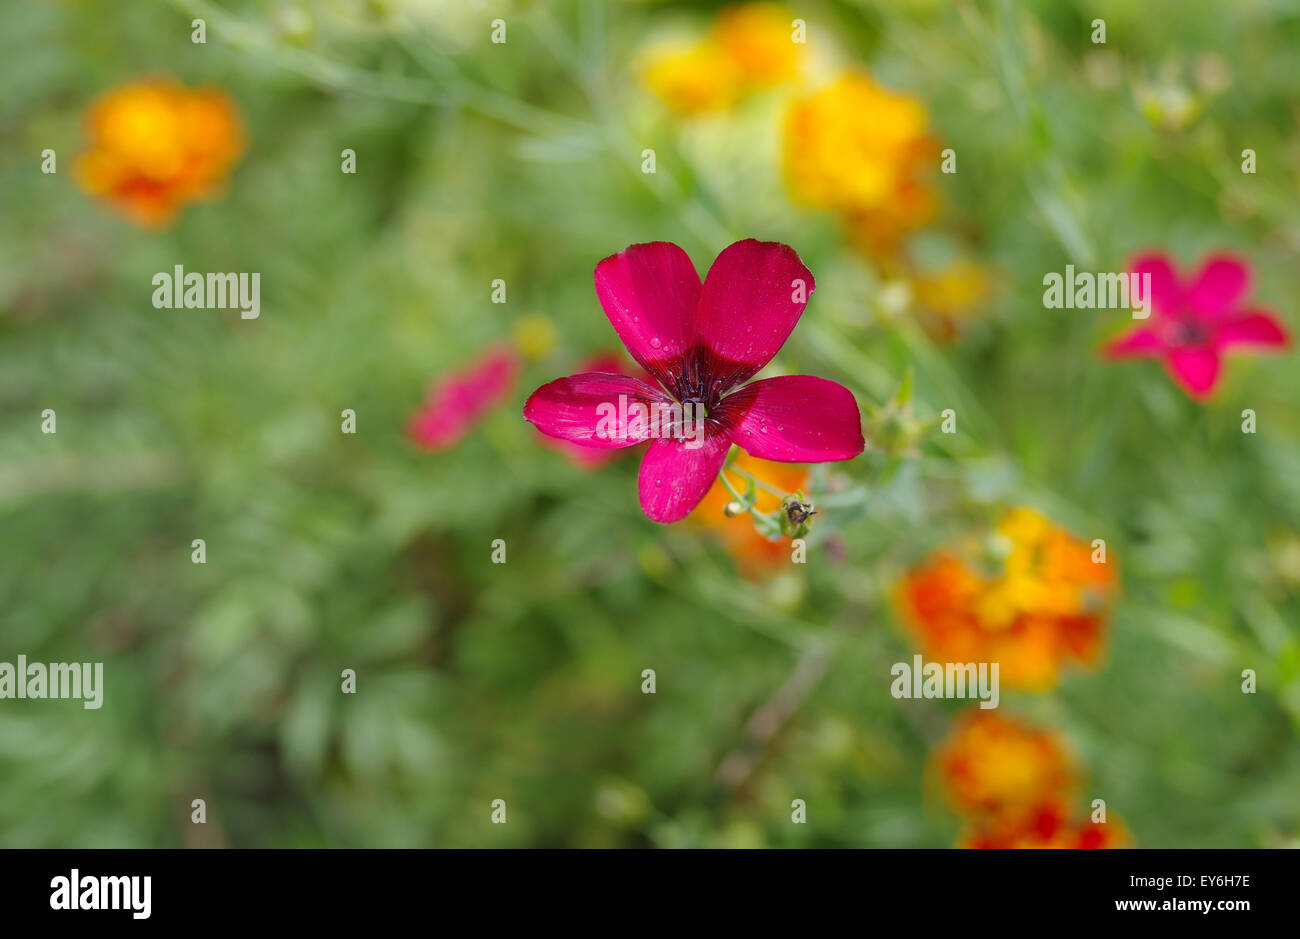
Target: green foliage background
[521,682]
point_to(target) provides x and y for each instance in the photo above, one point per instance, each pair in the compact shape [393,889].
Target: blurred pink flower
[458,400]
[1194,323]
[700,343]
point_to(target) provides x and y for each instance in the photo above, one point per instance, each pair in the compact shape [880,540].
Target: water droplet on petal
[655,343]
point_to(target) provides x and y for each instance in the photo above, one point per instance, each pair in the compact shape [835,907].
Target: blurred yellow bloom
[695,78]
[749,47]
[758,38]
[155,146]
[1031,602]
[754,554]
[862,150]
[534,335]
[951,297]
[854,144]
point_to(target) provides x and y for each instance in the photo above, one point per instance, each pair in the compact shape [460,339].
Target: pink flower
[701,343]
[457,401]
[1195,323]
[581,454]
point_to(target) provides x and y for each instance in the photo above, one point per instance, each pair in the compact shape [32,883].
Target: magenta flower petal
[585,409]
[1253,328]
[1165,292]
[673,478]
[795,419]
[579,453]
[1218,287]
[752,298]
[650,293]
[1138,343]
[1196,370]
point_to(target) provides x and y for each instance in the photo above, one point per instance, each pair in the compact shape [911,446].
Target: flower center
[1188,332]
[690,383]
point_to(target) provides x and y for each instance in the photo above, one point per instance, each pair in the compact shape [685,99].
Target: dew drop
[655,343]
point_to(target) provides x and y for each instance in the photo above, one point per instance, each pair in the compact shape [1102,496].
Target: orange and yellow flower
[749,47]
[1000,767]
[1032,600]
[754,553]
[1013,784]
[155,146]
[864,151]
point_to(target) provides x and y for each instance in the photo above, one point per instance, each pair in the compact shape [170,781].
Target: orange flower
[1047,827]
[999,767]
[750,47]
[862,150]
[754,553]
[1032,602]
[155,146]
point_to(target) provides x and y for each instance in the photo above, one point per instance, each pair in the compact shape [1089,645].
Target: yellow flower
[862,150]
[534,335]
[758,38]
[950,297]
[694,79]
[749,47]
[155,146]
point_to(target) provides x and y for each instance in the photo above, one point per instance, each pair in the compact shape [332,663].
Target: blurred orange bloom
[754,554]
[1048,827]
[749,47]
[1000,767]
[862,150]
[1032,600]
[155,146]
